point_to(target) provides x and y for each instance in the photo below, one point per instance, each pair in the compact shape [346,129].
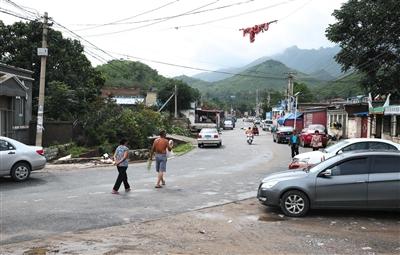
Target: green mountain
[270,74]
[194,83]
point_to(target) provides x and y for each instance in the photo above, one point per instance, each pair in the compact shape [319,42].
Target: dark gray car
[354,180]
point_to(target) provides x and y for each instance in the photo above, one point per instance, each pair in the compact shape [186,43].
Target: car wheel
[20,171]
[200,145]
[219,145]
[295,203]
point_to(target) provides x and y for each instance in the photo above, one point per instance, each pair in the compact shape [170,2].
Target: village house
[130,96]
[15,102]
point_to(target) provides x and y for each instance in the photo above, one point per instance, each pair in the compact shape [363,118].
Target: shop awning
[361,114]
[392,110]
[289,116]
[376,110]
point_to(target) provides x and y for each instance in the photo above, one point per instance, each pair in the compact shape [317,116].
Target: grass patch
[182,148]
[76,151]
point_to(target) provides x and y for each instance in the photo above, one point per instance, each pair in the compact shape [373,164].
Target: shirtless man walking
[160,147]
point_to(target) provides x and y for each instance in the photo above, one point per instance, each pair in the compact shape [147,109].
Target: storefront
[391,121]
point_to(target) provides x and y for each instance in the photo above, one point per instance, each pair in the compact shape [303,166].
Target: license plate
[207,136]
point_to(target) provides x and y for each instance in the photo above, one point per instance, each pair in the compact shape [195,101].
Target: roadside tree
[368,33]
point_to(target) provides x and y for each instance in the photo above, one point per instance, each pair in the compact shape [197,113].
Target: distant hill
[316,62]
[267,75]
[311,60]
[194,83]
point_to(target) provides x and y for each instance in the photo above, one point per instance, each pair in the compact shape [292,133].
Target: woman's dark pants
[122,177]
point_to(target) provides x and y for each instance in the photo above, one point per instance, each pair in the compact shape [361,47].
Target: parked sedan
[18,159]
[355,180]
[209,136]
[307,133]
[282,134]
[315,157]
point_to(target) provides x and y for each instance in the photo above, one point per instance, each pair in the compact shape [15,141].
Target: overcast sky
[213,45]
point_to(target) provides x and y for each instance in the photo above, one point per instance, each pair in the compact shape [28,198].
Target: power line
[147,25]
[2,10]
[132,17]
[30,13]
[173,16]
[232,16]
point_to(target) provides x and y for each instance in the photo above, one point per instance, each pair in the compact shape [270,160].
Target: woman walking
[121,161]
[316,141]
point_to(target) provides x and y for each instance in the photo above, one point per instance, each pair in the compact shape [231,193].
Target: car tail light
[215,136]
[40,152]
[198,136]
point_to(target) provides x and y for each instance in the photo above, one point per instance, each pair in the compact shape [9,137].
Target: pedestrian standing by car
[121,161]
[160,148]
[294,143]
[316,141]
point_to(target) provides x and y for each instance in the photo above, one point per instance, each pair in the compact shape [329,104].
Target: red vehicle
[255,130]
[307,133]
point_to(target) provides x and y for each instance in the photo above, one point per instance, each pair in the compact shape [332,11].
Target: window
[6,146]
[386,164]
[19,111]
[381,146]
[351,167]
[397,125]
[356,146]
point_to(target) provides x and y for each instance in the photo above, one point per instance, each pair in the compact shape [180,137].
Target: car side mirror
[339,152]
[326,173]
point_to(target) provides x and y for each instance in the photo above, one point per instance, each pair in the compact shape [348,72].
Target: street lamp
[295,109]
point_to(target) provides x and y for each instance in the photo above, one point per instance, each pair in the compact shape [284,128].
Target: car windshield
[208,131]
[316,127]
[336,146]
[285,129]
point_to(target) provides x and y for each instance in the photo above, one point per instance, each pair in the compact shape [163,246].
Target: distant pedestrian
[316,141]
[294,143]
[160,148]
[121,161]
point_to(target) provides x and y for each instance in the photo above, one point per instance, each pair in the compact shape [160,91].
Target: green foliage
[76,151]
[68,69]
[274,95]
[186,94]
[305,95]
[124,73]
[177,130]
[182,148]
[368,33]
[107,123]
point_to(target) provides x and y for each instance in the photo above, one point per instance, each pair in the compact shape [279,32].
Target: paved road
[77,199]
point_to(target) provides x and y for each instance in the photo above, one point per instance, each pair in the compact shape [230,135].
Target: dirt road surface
[243,227]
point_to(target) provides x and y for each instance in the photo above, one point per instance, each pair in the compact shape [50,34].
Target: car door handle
[11,152]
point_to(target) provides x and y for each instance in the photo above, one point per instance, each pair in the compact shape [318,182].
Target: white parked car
[209,136]
[353,144]
[18,160]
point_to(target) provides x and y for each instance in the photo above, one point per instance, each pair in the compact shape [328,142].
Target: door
[364,127]
[384,182]
[7,157]
[346,187]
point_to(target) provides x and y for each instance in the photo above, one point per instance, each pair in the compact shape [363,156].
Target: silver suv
[353,180]
[18,159]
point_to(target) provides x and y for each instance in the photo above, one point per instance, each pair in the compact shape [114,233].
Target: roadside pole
[176,102]
[43,52]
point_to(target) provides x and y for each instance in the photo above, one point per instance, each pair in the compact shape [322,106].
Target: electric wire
[153,23]
[132,17]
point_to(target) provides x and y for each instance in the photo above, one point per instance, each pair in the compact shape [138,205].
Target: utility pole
[290,91]
[176,102]
[257,106]
[43,53]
